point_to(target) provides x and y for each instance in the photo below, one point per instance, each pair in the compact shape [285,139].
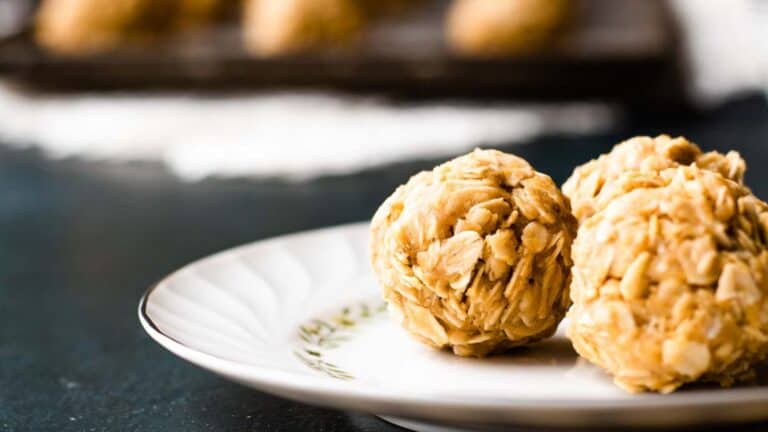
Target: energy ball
[594,184]
[274,27]
[503,27]
[89,26]
[475,255]
[669,283]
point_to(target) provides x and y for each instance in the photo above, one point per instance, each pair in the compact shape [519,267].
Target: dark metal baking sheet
[622,50]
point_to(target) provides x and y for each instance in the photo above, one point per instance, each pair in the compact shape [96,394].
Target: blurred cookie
[503,27]
[87,26]
[287,26]
[90,26]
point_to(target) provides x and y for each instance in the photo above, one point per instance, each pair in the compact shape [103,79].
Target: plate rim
[288,384]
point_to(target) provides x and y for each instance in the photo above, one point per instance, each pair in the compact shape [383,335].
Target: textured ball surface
[594,184]
[669,282]
[475,254]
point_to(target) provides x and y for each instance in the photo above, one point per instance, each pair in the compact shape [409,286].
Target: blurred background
[137,135]
[301,88]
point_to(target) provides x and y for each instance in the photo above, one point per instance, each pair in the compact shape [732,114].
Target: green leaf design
[320,335]
[317,363]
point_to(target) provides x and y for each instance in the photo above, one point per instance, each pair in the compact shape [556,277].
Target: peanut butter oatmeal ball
[503,27]
[593,185]
[475,254]
[89,26]
[273,27]
[670,283]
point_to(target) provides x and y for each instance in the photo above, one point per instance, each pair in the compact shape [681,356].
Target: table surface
[81,241]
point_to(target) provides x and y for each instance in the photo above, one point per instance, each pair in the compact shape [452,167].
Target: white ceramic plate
[300,316]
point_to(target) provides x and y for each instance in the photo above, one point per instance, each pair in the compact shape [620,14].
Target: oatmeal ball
[274,27]
[669,283]
[89,26]
[503,27]
[92,26]
[475,254]
[594,184]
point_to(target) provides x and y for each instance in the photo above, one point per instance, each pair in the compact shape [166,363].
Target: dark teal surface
[80,242]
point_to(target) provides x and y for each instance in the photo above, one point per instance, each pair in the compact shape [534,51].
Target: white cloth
[276,134]
[721,42]
[303,135]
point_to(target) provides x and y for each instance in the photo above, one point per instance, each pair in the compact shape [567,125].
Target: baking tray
[623,50]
